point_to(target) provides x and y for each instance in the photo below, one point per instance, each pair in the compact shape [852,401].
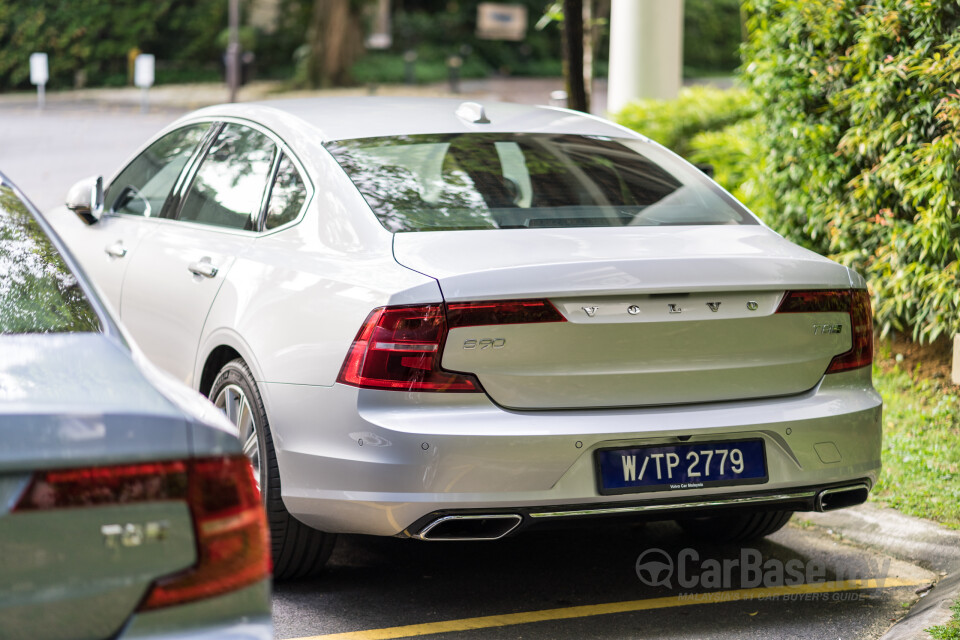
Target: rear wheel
[298,550]
[736,527]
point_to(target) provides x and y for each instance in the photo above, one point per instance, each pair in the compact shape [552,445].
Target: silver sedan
[451,321]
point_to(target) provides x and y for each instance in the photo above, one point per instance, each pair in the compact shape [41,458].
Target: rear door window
[229,186]
[287,195]
[38,292]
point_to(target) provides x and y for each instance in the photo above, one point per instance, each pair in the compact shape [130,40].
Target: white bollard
[143,66]
[39,75]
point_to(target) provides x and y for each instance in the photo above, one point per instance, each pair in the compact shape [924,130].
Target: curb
[919,541]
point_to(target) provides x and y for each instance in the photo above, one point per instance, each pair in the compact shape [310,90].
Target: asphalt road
[46,152]
[560,584]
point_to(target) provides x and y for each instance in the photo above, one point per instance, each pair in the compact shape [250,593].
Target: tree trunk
[589,38]
[573,54]
[336,41]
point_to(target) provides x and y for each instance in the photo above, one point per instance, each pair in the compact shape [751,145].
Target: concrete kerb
[919,541]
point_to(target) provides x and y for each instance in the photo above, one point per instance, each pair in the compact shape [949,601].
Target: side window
[229,186]
[286,196]
[143,186]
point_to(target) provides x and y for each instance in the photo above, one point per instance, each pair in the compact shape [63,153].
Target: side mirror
[85,199]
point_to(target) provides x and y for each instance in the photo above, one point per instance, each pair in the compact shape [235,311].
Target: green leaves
[847,142]
[95,36]
[859,119]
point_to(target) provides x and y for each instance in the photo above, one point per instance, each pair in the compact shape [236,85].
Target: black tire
[736,527]
[298,551]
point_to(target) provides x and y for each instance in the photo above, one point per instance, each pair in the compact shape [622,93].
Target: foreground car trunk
[650,316]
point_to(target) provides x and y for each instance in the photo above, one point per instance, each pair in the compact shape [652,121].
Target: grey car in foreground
[127,508]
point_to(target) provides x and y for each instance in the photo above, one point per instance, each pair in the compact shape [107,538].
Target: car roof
[368,116]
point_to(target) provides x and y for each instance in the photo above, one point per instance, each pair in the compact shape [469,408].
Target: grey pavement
[914,540]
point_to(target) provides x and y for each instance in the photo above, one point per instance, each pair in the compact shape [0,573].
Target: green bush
[377,68]
[711,37]
[860,127]
[95,36]
[674,123]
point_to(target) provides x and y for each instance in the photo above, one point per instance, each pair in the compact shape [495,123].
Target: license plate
[681,466]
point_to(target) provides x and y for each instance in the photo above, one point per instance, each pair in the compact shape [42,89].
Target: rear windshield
[38,293]
[527,181]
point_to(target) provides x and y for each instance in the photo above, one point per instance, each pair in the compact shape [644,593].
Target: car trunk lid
[653,315]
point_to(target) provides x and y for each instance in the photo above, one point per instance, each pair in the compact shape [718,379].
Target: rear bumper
[486,524]
[382,463]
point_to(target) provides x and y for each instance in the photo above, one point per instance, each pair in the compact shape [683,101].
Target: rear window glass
[38,293]
[529,180]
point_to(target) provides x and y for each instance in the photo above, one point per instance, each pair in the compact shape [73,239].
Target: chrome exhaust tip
[841,497]
[471,527]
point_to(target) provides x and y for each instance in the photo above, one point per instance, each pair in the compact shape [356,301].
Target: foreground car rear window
[528,180]
[38,293]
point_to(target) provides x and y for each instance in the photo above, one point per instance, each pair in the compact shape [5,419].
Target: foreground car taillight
[399,348]
[229,521]
[856,303]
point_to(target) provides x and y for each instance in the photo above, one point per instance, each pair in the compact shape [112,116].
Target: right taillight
[856,303]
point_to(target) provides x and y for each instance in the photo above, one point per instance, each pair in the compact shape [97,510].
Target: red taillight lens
[399,348]
[96,486]
[856,303]
[231,534]
[471,314]
[229,521]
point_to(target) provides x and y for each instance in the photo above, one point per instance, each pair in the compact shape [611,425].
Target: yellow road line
[565,613]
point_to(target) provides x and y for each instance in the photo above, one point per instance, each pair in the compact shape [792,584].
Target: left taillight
[230,526]
[398,348]
[855,303]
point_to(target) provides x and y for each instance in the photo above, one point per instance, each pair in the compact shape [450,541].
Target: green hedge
[850,145]
[860,127]
[711,37]
[675,123]
[94,36]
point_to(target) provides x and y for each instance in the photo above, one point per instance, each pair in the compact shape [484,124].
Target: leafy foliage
[675,123]
[950,630]
[850,145]
[711,36]
[860,127]
[95,36]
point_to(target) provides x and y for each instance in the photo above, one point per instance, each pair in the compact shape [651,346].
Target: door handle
[203,268]
[116,250]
